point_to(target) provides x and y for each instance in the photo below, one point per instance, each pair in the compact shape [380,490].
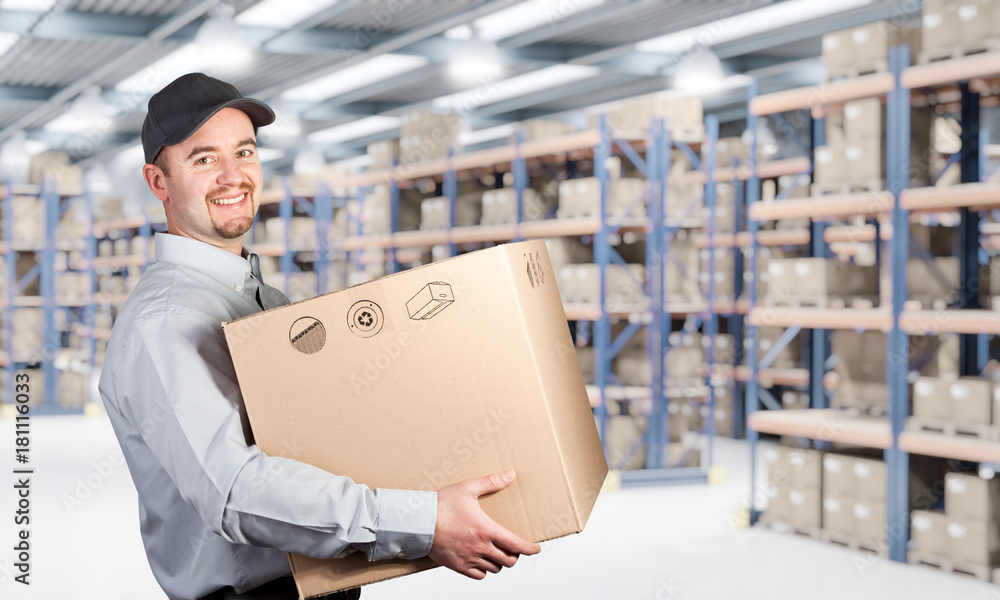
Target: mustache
[246,186]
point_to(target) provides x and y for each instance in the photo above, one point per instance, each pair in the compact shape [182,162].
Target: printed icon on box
[430,300]
[307,335]
[365,318]
[533,267]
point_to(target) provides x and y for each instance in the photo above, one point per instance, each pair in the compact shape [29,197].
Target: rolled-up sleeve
[179,387]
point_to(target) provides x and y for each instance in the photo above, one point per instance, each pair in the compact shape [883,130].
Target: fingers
[514,544]
[491,483]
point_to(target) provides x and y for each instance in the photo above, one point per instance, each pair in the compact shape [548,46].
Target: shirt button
[248,268]
[238,288]
[401,555]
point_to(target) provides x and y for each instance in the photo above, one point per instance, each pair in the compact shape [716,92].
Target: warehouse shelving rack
[898,202]
[55,202]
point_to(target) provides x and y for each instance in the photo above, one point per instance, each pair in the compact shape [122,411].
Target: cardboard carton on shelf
[382,152]
[929,532]
[807,507]
[872,41]
[381,363]
[683,117]
[818,278]
[974,543]
[435,213]
[870,521]
[838,50]
[838,514]
[582,198]
[543,129]
[968,497]
[838,476]
[940,24]
[830,163]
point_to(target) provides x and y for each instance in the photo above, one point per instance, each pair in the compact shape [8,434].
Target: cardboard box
[582,198]
[929,532]
[973,542]
[971,400]
[930,398]
[838,514]
[871,480]
[968,497]
[865,160]
[806,468]
[830,164]
[978,19]
[364,402]
[870,521]
[838,50]
[940,24]
[838,476]
[807,507]
[817,277]
[872,41]
[864,120]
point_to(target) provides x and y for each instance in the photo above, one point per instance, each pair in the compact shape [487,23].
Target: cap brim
[260,115]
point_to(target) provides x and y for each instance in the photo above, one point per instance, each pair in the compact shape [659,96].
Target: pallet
[827,301]
[880,65]
[848,187]
[926,303]
[852,542]
[947,565]
[957,51]
[987,433]
[785,527]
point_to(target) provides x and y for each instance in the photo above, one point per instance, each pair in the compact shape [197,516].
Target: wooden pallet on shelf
[947,565]
[987,433]
[852,542]
[780,526]
[872,67]
[958,51]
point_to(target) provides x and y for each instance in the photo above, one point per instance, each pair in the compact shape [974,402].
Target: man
[217,515]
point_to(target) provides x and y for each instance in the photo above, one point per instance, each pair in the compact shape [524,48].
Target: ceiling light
[14,159]
[476,60]
[471,138]
[281,13]
[355,163]
[308,161]
[7,41]
[221,45]
[461,33]
[521,85]
[88,112]
[354,77]
[267,155]
[146,82]
[698,71]
[355,129]
[731,82]
[523,17]
[750,23]
[27,5]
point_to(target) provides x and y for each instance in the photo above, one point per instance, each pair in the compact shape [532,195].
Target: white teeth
[228,201]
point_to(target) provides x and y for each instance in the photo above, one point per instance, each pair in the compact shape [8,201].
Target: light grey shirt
[214,510]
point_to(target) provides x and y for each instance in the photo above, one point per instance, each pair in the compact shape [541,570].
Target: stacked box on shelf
[425,136]
[542,129]
[966,536]
[814,281]
[499,206]
[865,49]
[856,491]
[964,405]
[858,378]
[681,271]
[723,272]
[794,488]
[580,285]
[684,118]
[582,198]
[953,28]
[382,153]
[435,213]
[625,444]
[684,362]
[855,152]
[376,215]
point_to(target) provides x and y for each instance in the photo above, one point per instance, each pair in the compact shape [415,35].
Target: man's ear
[156,180]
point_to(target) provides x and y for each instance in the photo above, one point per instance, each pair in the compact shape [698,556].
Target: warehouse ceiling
[340,73]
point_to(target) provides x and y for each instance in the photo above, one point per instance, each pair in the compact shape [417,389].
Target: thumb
[491,483]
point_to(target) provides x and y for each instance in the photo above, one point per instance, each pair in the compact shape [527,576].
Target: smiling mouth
[228,201]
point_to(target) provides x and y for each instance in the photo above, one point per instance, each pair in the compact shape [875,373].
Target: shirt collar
[218,264]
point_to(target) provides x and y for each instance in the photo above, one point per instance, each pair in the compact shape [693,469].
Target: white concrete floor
[674,543]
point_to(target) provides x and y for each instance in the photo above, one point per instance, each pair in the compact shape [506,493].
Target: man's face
[212,181]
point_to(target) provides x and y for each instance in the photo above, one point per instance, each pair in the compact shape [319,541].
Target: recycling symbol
[365,318]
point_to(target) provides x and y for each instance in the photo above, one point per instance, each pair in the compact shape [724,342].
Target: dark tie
[255,271]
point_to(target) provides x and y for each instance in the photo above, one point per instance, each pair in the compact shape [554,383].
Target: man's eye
[245,153]
[204,160]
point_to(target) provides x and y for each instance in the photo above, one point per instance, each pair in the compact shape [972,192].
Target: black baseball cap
[181,108]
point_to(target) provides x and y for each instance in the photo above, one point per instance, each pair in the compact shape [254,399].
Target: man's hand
[466,540]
